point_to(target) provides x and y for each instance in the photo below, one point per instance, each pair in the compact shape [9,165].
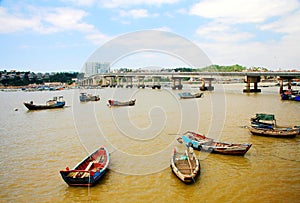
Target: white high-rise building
[92,68]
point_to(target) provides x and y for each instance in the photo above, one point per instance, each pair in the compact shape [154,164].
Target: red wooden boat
[89,170]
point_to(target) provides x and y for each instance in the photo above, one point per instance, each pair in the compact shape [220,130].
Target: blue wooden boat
[290,95]
[203,143]
[56,102]
[89,170]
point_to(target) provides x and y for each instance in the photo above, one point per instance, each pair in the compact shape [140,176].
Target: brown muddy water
[35,145]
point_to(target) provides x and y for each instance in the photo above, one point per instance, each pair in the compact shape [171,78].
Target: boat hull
[89,171]
[202,143]
[274,132]
[83,182]
[119,103]
[185,169]
[88,97]
[238,150]
[41,107]
[188,95]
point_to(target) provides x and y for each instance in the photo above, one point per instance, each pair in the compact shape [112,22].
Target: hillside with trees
[16,78]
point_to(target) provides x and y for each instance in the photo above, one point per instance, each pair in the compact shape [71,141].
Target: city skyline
[54,36]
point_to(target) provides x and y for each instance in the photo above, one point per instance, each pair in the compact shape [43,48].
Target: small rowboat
[202,143]
[188,95]
[56,102]
[119,103]
[186,166]
[275,132]
[89,170]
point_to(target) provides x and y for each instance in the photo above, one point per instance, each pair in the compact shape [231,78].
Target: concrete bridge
[120,79]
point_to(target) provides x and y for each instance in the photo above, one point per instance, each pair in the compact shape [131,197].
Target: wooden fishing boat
[188,95]
[186,166]
[265,125]
[84,97]
[290,95]
[89,170]
[262,120]
[56,102]
[194,140]
[200,142]
[120,103]
[275,132]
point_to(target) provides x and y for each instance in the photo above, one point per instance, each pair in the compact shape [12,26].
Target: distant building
[92,68]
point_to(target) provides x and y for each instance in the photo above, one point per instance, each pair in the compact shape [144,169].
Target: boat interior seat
[89,166]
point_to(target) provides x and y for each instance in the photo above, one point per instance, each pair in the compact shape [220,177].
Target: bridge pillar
[94,82]
[289,85]
[252,79]
[280,86]
[105,82]
[119,81]
[156,84]
[112,81]
[178,81]
[210,87]
[129,81]
[141,82]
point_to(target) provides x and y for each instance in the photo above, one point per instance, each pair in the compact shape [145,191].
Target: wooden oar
[189,161]
[191,168]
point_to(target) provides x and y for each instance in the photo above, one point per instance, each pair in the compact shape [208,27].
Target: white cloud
[128,3]
[81,2]
[134,13]
[45,20]
[61,19]
[13,23]
[222,32]
[182,11]
[272,55]
[286,24]
[237,11]
[49,21]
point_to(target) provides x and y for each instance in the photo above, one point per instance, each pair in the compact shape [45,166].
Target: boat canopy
[265,117]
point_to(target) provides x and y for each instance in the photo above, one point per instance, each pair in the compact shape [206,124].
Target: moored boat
[84,97]
[56,102]
[293,95]
[275,132]
[186,166]
[262,120]
[112,102]
[89,170]
[188,95]
[265,125]
[203,143]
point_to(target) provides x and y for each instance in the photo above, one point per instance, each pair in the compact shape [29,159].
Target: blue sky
[47,35]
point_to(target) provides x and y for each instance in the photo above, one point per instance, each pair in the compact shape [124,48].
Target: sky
[61,35]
